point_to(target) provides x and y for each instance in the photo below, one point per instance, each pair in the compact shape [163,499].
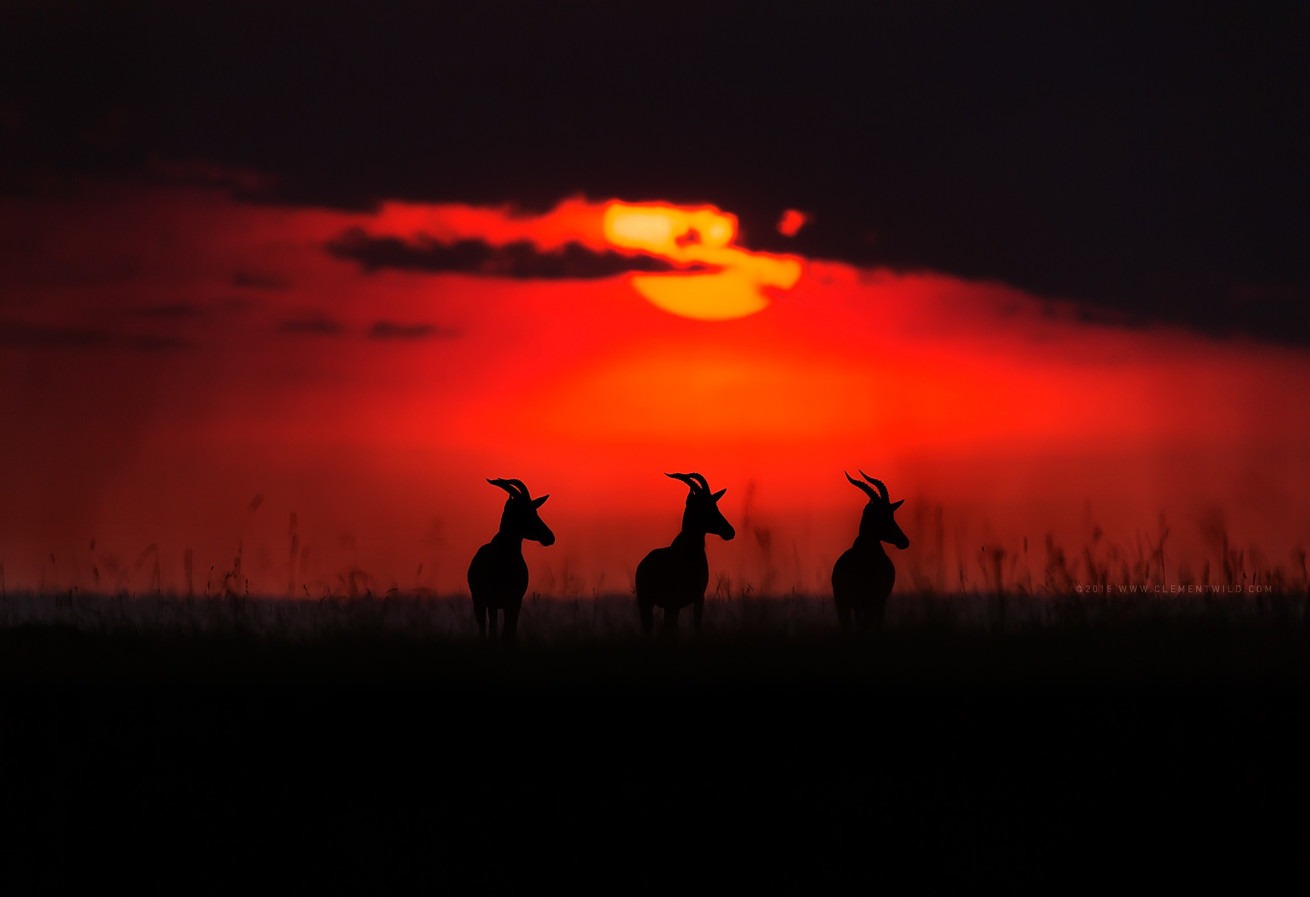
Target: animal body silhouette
[863,576]
[674,577]
[498,575]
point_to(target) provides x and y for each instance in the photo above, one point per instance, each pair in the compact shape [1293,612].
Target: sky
[289,284]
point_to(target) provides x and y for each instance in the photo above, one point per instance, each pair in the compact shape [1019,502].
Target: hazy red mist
[168,354]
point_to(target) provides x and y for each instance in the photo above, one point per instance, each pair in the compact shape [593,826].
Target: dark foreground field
[203,745]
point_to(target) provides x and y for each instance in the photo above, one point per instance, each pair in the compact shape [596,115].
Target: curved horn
[515,488]
[863,487]
[881,488]
[687,478]
[700,479]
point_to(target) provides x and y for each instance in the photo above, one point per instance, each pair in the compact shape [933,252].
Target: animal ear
[718,495]
[897,504]
[538,502]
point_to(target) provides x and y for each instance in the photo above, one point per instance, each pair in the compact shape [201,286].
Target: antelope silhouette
[498,575]
[677,576]
[863,576]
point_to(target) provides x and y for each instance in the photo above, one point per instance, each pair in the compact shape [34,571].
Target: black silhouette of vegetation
[676,577]
[863,576]
[498,575]
[346,743]
[1090,713]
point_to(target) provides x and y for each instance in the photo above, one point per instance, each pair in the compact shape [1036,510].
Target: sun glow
[715,279]
[791,222]
[373,402]
[721,281]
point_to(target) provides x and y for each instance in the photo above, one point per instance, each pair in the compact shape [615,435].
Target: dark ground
[379,763]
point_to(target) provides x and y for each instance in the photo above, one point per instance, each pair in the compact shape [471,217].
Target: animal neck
[507,539]
[867,542]
[690,539]
[693,532]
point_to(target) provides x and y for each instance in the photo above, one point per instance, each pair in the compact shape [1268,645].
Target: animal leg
[646,610]
[670,621]
[491,621]
[511,625]
[480,614]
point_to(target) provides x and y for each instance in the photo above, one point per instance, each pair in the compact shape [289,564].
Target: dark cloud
[153,342]
[1123,155]
[315,324]
[255,281]
[181,312]
[242,182]
[173,311]
[391,330]
[518,260]
[23,335]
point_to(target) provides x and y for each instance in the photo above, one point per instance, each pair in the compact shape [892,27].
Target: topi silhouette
[674,577]
[498,575]
[863,577]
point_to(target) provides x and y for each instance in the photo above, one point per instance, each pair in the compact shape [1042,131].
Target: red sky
[168,354]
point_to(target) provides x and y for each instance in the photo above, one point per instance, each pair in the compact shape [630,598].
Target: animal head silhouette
[879,519]
[703,512]
[520,518]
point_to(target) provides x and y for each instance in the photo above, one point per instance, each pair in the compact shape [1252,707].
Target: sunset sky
[296,283]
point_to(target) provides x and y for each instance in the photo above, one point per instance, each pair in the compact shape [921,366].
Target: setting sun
[723,281]
[916,388]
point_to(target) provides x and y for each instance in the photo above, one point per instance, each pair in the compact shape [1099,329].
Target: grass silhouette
[1029,716]
[1119,631]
